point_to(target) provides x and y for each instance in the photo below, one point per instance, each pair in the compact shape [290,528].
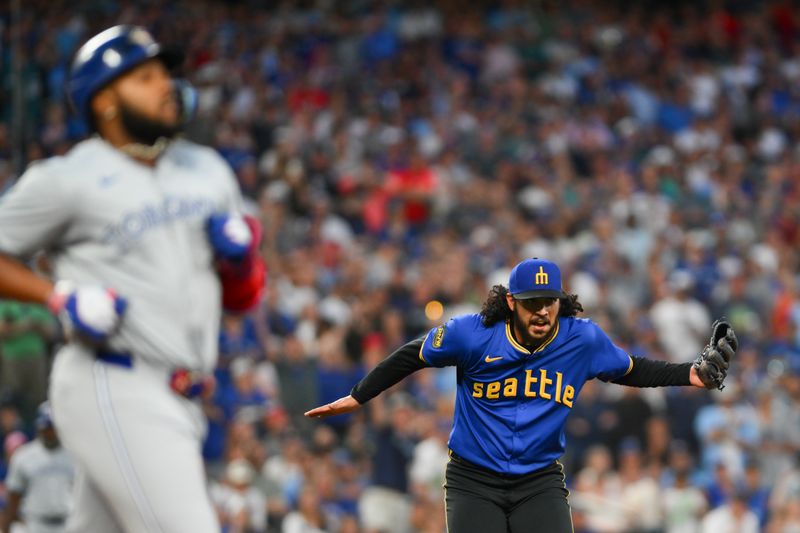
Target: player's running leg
[91,513]
[137,442]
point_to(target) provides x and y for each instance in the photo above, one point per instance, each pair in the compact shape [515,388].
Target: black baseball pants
[478,500]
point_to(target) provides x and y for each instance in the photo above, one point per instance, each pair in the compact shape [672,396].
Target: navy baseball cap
[535,278]
[44,416]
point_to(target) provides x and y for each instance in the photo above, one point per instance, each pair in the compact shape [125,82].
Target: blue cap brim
[539,294]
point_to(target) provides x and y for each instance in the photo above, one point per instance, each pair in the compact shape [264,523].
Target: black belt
[50,519]
[115,358]
[185,382]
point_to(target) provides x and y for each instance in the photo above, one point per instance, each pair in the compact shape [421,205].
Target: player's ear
[104,104]
[510,301]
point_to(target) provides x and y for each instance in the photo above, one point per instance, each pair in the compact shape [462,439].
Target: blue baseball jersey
[511,403]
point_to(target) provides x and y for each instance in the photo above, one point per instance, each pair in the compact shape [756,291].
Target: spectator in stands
[241,507]
[26,333]
[385,504]
[733,516]
[683,502]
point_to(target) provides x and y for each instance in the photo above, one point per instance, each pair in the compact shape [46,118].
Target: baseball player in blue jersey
[148,244]
[521,364]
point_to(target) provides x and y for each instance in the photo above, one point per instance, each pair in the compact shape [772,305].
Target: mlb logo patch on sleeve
[437,337]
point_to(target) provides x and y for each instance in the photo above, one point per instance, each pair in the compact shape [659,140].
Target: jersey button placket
[516,443]
[516,440]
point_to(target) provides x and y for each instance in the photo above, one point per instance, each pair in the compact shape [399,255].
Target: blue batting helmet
[44,416]
[108,55]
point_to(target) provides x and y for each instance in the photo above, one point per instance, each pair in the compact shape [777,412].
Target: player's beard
[145,130]
[521,327]
[49,439]
[51,444]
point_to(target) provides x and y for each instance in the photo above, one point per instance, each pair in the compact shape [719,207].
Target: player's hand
[346,404]
[89,313]
[241,268]
[229,235]
[711,366]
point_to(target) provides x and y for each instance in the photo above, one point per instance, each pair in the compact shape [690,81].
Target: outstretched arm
[345,404]
[708,371]
[400,364]
[652,373]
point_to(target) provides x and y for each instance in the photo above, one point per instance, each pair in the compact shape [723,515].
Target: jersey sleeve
[16,480]
[448,344]
[609,361]
[34,213]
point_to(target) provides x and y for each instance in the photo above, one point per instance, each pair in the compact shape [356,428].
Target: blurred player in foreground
[521,364]
[147,242]
[39,481]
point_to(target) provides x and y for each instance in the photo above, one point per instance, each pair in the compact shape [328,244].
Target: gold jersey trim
[420,350]
[630,366]
[544,345]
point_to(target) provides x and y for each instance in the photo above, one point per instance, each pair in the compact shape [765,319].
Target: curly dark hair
[496,309]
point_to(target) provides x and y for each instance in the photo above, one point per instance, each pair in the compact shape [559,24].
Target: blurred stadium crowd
[403,155]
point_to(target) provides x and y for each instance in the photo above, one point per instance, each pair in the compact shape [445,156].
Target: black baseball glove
[712,365]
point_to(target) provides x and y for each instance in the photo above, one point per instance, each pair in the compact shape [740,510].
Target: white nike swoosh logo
[490,359]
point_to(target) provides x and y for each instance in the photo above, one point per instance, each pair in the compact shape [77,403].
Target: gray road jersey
[44,478]
[105,219]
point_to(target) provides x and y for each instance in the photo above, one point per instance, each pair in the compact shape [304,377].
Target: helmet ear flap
[187,99]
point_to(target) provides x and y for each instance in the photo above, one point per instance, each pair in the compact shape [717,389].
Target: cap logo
[112,58]
[542,278]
